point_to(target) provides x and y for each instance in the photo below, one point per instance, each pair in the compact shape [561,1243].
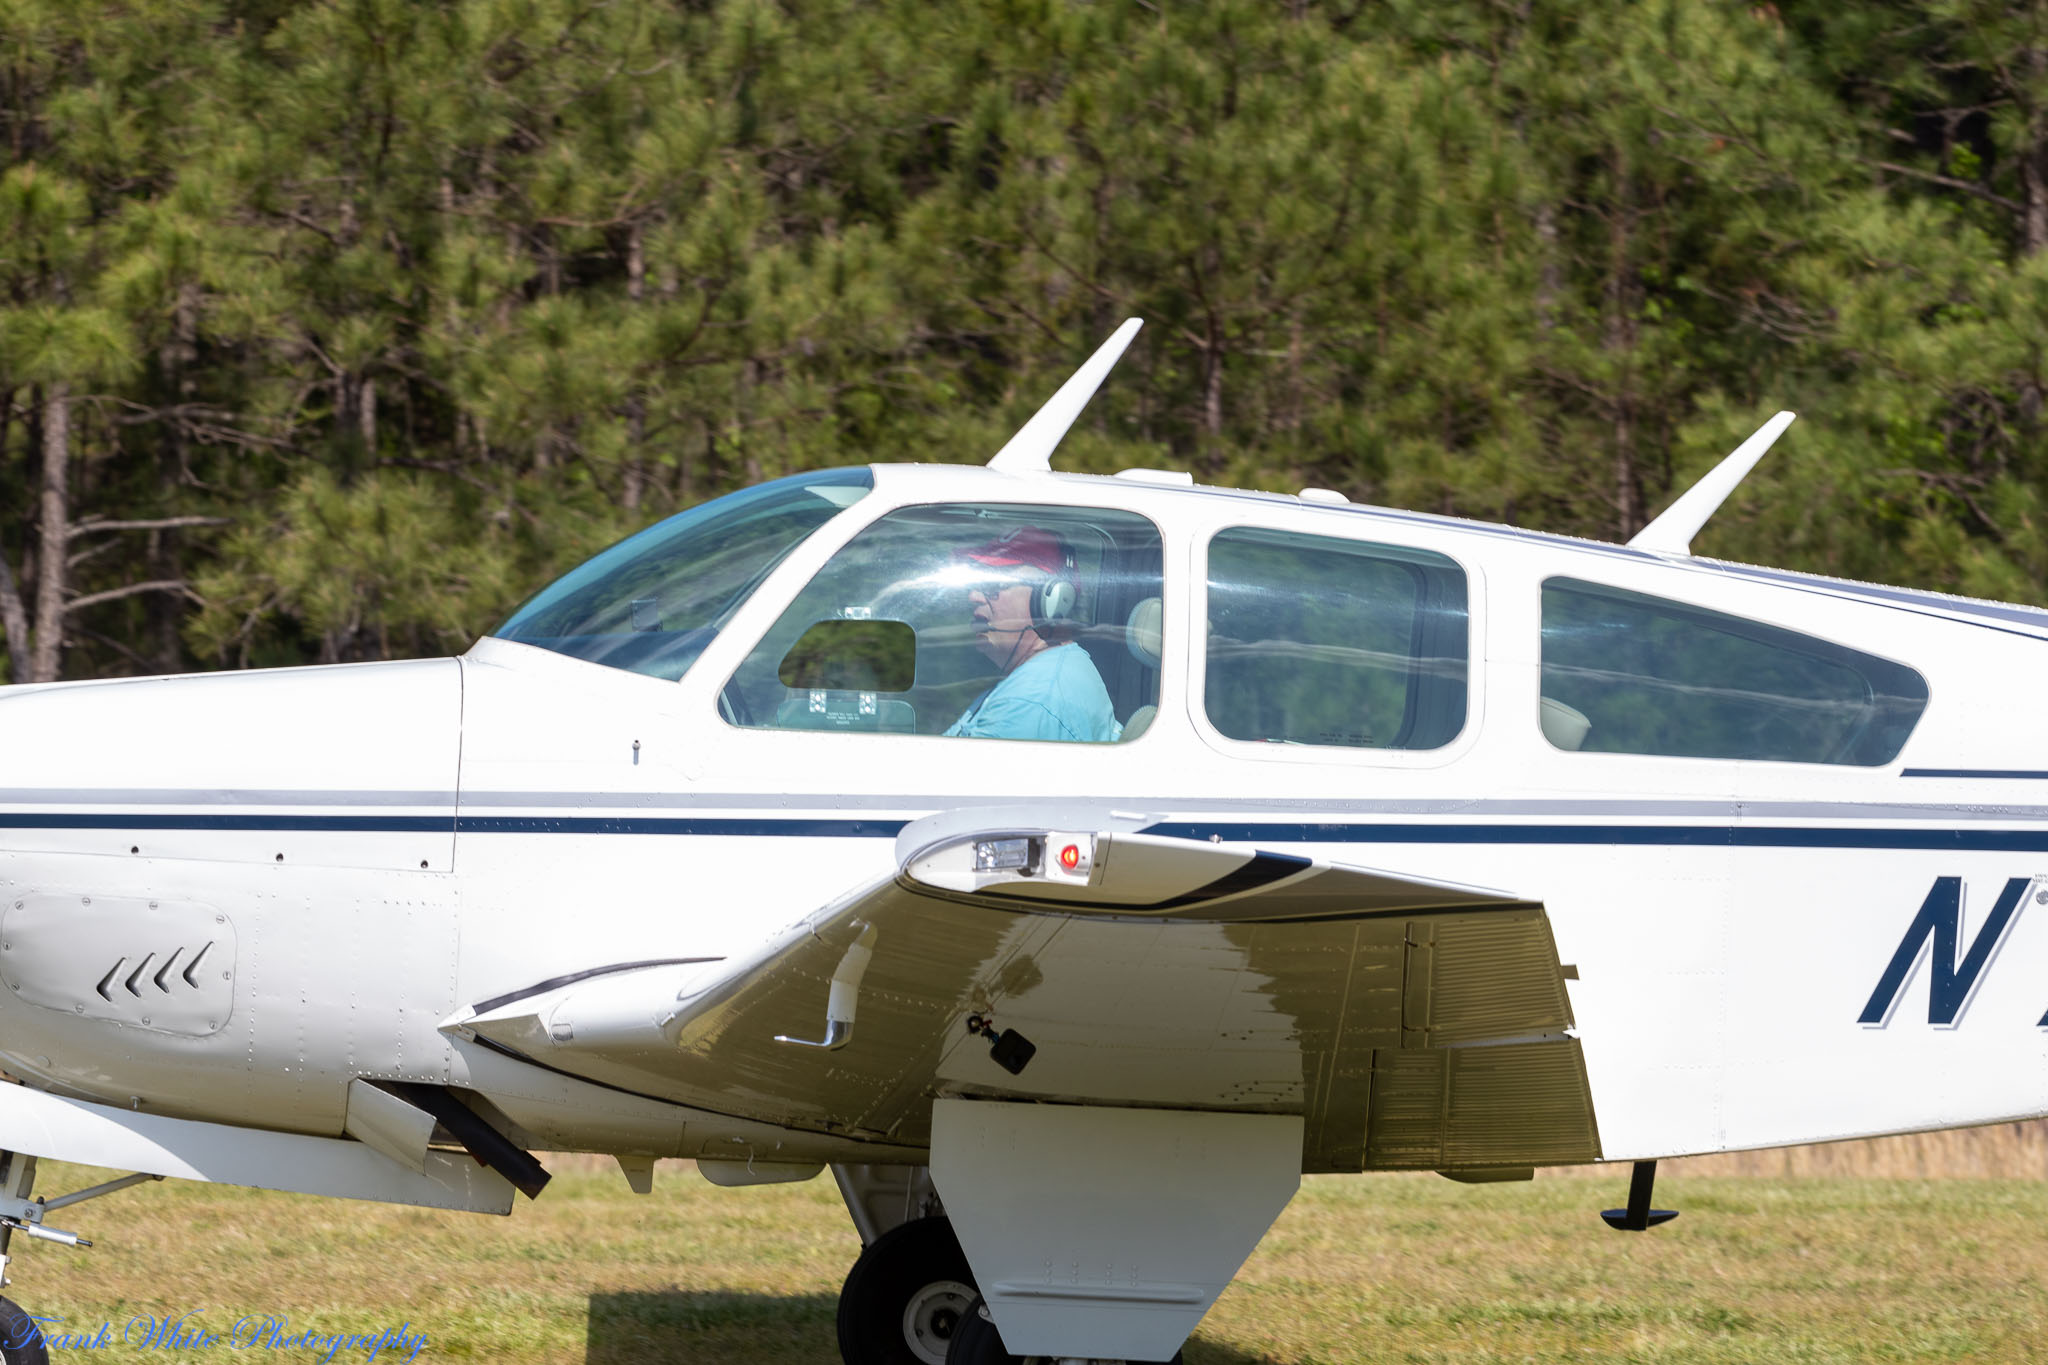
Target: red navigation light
[1070,857]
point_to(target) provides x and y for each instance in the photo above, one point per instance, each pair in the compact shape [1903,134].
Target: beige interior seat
[1564,726]
[1141,637]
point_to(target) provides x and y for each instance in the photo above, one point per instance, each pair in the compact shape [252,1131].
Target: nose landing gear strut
[21,1336]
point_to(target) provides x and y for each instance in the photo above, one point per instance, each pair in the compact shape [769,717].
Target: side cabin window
[984,621]
[1319,640]
[1624,673]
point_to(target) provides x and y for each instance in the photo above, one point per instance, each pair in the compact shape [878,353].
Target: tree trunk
[13,620]
[366,416]
[1620,340]
[1212,397]
[164,611]
[47,658]
[2034,216]
[751,379]
[1212,387]
[13,612]
[1549,277]
[180,354]
[1297,383]
[2034,160]
[635,474]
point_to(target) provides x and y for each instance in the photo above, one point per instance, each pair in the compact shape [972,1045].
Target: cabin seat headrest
[1141,632]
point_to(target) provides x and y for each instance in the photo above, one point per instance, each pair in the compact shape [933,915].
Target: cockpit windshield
[653,602]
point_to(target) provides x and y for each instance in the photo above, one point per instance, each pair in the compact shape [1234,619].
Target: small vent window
[1624,673]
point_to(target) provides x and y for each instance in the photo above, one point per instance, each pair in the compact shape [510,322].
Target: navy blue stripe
[2028,774]
[1663,836]
[358,824]
[633,824]
[468,824]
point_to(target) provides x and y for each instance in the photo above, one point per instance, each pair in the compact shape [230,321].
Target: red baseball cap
[1028,547]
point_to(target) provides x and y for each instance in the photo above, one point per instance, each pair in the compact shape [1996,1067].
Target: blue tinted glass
[1624,673]
[1317,640]
[1016,621]
[653,602]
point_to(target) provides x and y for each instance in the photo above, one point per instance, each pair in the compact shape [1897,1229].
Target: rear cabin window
[1624,673]
[1318,640]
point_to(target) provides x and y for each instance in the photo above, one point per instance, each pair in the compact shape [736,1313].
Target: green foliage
[428,301]
[384,566]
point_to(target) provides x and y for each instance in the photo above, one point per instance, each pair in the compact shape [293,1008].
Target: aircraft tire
[905,1295]
[976,1342]
[21,1341]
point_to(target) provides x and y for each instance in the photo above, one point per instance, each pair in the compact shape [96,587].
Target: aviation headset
[1053,595]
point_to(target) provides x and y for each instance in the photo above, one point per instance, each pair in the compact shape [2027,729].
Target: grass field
[1360,1268]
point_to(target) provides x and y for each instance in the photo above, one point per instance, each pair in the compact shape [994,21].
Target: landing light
[1004,855]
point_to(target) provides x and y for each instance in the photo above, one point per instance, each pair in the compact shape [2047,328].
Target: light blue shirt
[1055,694]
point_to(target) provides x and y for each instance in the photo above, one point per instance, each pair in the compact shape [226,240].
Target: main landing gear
[906,1296]
[21,1337]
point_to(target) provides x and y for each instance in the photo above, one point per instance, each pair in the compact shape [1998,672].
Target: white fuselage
[388,844]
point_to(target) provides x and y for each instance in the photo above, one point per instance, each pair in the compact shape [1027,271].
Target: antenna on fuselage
[1672,532]
[1030,450]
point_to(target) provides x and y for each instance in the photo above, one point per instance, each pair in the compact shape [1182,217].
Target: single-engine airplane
[1067,862]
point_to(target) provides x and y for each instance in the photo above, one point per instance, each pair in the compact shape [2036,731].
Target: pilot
[1022,604]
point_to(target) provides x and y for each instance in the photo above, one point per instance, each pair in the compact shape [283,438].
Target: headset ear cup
[1052,602]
